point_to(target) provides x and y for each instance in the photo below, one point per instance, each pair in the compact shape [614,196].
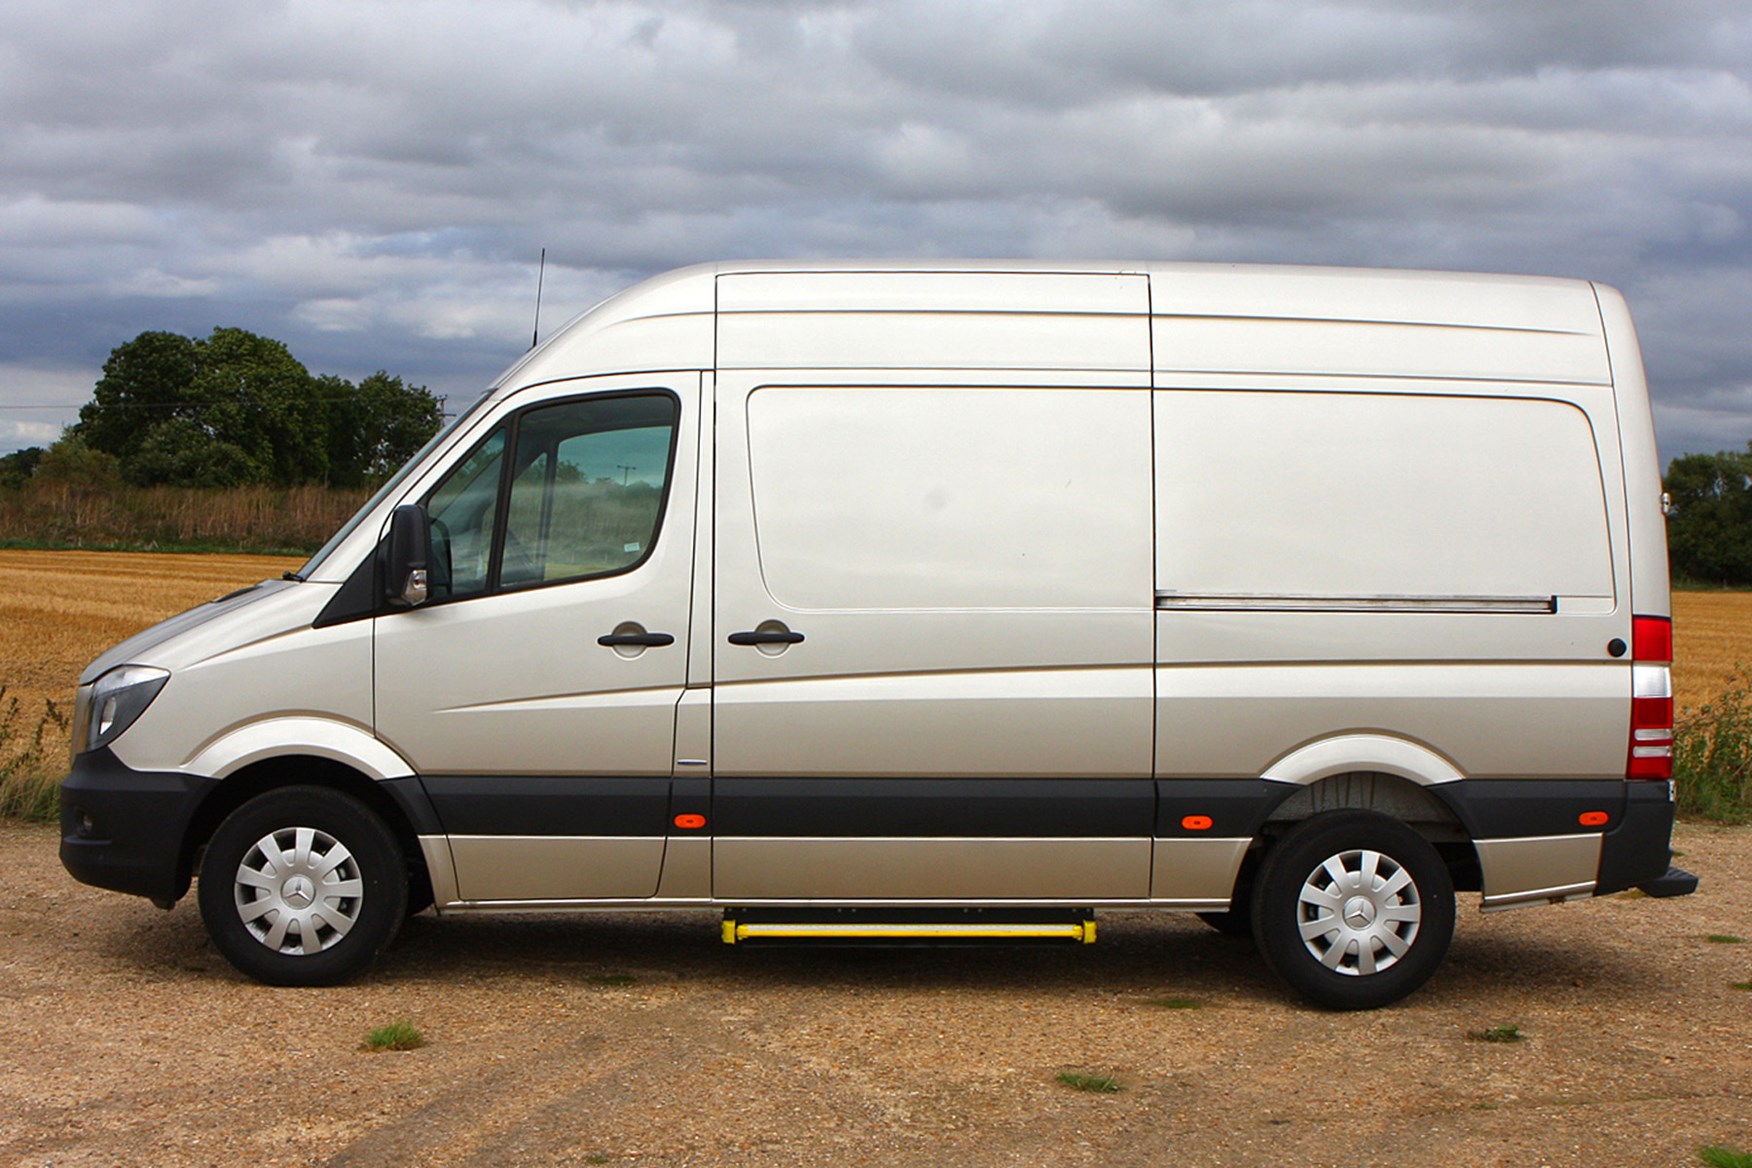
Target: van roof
[1203,319]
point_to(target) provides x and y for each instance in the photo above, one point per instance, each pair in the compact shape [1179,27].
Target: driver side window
[583,496]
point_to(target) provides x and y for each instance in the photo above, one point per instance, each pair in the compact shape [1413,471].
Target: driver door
[535,692]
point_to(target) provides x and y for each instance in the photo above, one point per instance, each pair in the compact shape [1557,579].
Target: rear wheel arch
[1393,795]
[1409,801]
[1401,797]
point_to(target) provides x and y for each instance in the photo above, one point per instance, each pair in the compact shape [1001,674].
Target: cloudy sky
[372,182]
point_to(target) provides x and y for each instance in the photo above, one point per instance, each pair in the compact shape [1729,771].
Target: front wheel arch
[259,778]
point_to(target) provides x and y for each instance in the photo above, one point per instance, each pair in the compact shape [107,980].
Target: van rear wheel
[1353,909]
[303,886]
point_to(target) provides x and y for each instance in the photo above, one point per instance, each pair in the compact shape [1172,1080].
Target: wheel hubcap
[298,890]
[1359,912]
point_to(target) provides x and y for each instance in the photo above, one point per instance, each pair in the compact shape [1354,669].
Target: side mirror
[410,552]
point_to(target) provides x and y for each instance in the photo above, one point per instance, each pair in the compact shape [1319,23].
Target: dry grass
[1712,632]
[182,518]
[58,610]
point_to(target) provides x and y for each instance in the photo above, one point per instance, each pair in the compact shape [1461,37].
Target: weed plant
[1501,1034]
[30,788]
[395,1036]
[1099,1084]
[1712,755]
[1717,1157]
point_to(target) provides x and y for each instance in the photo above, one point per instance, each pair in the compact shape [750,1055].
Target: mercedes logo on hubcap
[298,892]
[1359,912]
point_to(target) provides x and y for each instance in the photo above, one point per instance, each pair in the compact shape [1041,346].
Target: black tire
[1390,919]
[303,886]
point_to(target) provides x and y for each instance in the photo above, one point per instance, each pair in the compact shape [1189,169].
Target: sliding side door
[933,641]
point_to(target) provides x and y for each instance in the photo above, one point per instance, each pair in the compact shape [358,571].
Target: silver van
[878,599]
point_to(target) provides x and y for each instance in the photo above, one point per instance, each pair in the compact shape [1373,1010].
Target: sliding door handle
[767,637]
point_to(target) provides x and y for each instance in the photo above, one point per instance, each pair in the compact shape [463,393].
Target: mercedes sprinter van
[877,599]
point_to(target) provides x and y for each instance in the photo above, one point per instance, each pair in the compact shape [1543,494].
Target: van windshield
[395,480]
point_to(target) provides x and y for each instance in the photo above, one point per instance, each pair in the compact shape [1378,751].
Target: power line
[185,405]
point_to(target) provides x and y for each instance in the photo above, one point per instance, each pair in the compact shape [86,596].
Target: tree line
[1709,524]
[231,409]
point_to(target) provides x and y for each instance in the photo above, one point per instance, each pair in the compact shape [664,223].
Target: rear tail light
[1651,699]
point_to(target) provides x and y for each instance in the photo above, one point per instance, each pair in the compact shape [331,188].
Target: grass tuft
[29,788]
[1500,1034]
[1741,985]
[1724,939]
[1719,1157]
[1712,754]
[1099,1084]
[395,1036]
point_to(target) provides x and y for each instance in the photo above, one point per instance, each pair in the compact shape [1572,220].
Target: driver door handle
[649,640]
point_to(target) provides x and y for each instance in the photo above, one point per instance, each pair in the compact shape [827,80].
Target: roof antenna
[540,274]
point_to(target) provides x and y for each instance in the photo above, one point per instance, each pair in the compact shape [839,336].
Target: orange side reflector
[1593,818]
[690,822]
[1196,823]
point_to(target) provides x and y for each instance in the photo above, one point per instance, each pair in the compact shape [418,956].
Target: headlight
[112,702]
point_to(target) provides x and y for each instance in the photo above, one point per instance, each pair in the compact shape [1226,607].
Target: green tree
[375,426]
[236,408]
[73,462]
[17,467]
[145,382]
[184,454]
[1709,531]
[257,397]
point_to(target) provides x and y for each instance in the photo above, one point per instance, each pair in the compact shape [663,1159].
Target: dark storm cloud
[372,182]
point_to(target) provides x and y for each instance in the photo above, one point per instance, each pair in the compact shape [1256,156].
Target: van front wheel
[303,886]
[1353,909]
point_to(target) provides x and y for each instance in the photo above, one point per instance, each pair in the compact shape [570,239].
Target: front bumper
[123,829]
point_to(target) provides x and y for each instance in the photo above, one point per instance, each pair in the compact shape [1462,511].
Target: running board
[907,926]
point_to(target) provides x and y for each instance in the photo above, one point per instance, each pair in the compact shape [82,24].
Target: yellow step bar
[737,931]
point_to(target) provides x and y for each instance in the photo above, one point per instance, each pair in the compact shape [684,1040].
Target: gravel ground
[629,1038]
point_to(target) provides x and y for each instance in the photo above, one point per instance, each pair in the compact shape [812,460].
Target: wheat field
[1712,633]
[58,610]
